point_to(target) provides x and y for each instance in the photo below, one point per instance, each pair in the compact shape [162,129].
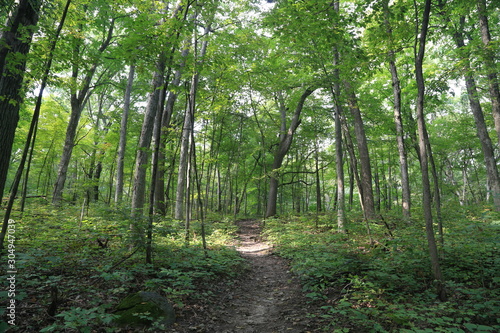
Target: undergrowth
[386,285]
[71,273]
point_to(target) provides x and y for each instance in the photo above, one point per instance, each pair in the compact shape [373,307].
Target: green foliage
[387,286]
[82,320]
[55,249]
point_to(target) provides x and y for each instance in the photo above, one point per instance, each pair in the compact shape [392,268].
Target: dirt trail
[267,299]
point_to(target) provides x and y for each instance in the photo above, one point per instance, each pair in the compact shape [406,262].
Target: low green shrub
[387,285]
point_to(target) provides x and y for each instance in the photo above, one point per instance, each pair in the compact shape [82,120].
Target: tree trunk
[319,207]
[354,179]
[489,64]
[426,188]
[11,98]
[16,43]
[78,100]
[160,200]
[186,135]
[283,147]
[398,121]
[122,145]
[481,128]
[378,193]
[142,157]
[339,159]
[27,16]
[364,156]
[339,154]
[403,161]
[96,179]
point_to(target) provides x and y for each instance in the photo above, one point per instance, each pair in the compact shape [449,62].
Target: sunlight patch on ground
[254,248]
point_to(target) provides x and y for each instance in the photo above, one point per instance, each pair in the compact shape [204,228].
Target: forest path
[268,298]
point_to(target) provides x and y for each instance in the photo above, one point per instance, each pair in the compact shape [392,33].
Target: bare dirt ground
[266,299]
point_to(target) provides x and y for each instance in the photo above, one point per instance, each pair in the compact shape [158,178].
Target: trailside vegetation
[386,284]
[364,133]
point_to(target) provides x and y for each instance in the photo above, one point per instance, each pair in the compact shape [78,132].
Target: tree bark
[15,41]
[339,159]
[122,145]
[319,205]
[489,64]
[364,156]
[398,121]
[11,97]
[286,138]
[142,156]
[426,188]
[186,135]
[160,200]
[481,128]
[339,154]
[187,127]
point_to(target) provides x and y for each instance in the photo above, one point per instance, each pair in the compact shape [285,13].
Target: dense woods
[364,133]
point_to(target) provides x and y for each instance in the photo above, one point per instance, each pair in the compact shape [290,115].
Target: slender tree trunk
[97,155]
[426,188]
[378,193]
[339,154]
[354,179]
[142,157]
[96,177]
[283,147]
[398,121]
[489,64]
[403,161]
[186,135]
[437,192]
[122,145]
[364,156]
[319,206]
[187,127]
[339,159]
[160,200]
[481,128]
[28,167]
[78,100]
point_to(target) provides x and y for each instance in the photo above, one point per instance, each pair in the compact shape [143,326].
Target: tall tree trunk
[353,166]
[378,193]
[187,127]
[339,159]
[364,156]
[426,188]
[437,192]
[160,200]
[339,154]
[481,128]
[122,145]
[142,156]
[78,100]
[490,65]
[15,40]
[29,17]
[319,207]
[398,121]
[286,138]
[186,135]
[97,154]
